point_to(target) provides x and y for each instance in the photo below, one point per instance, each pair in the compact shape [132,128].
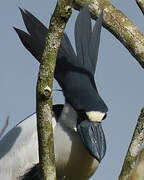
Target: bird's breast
[73,161]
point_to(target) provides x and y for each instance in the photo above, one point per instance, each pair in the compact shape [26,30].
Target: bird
[79,139]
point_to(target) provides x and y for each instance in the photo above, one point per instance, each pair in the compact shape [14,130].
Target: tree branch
[58,22]
[140,3]
[119,25]
[137,173]
[134,149]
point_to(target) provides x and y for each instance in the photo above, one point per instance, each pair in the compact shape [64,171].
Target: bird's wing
[86,40]
[83,32]
[35,28]
[35,40]
[30,43]
[94,42]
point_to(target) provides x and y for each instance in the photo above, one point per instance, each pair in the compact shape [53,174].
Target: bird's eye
[104,116]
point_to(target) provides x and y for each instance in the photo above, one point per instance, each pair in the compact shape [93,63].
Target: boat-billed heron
[79,139]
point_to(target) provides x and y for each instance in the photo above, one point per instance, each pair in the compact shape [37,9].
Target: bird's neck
[69,117]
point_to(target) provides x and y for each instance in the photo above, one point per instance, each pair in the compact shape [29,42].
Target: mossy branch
[140,3]
[119,25]
[134,149]
[58,22]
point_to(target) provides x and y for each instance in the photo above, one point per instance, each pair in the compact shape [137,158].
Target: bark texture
[134,149]
[58,22]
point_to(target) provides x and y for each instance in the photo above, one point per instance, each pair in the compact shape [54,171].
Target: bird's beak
[93,138]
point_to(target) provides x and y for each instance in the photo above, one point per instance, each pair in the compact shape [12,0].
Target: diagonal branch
[140,3]
[134,149]
[58,22]
[137,173]
[119,25]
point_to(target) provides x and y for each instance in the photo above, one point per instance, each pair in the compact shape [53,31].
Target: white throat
[69,117]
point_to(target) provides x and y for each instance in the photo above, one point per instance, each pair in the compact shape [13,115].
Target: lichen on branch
[134,149]
[58,22]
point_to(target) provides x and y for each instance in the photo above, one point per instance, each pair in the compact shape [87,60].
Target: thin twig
[134,149]
[58,22]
